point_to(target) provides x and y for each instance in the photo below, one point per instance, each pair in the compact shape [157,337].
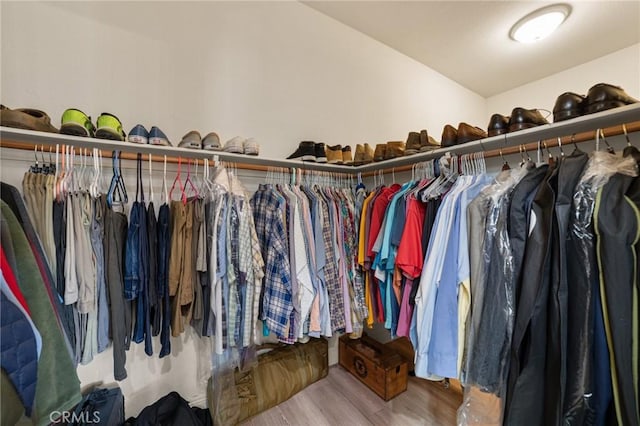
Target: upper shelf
[26,139]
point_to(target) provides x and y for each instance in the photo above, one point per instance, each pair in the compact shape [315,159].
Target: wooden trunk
[379,367]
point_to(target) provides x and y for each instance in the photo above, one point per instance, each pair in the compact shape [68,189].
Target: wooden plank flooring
[340,399]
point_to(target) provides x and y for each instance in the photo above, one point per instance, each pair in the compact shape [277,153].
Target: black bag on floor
[169,410]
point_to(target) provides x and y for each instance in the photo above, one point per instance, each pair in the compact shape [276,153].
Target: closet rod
[28,139]
[612,131]
[629,114]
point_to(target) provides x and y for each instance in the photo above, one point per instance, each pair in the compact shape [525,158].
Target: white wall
[621,68]
[279,71]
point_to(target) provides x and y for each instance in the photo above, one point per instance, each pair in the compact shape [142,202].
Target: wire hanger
[630,150]
[610,150]
[560,146]
[505,164]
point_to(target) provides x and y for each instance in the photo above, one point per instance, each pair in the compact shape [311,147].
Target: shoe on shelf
[211,142]
[568,105]
[191,140]
[368,154]
[320,152]
[157,137]
[138,135]
[358,157]
[251,147]
[468,133]
[413,143]
[306,152]
[449,136]
[109,127]
[604,96]
[394,149]
[235,145]
[380,152]
[347,159]
[427,143]
[26,118]
[334,154]
[76,123]
[498,125]
[522,118]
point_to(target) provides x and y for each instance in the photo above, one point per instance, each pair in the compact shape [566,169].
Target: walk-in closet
[320,213]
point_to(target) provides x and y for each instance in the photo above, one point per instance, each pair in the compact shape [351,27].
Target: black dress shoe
[321,156]
[305,152]
[498,124]
[605,96]
[522,118]
[568,105]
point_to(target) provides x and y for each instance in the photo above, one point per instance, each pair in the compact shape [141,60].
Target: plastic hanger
[178,180]
[139,181]
[165,190]
[151,194]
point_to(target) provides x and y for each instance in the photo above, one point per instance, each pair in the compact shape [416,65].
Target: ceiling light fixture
[540,23]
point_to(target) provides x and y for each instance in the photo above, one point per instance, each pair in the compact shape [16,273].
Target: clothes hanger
[164,182]
[610,150]
[178,180]
[35,168]
[121,184]
[505,164]
[630,150]
[151,194]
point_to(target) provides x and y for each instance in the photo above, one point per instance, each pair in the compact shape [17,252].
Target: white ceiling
[468,41]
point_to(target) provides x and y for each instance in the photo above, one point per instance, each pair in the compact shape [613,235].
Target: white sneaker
[251,147]
[211,142]
[235,145]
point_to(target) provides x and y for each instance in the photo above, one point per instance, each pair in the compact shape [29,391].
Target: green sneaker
[109,127]
[76,123]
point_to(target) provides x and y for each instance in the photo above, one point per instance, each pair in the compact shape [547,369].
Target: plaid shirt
[271,232]
[336,301]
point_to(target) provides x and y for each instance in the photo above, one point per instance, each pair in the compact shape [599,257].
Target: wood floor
[340,399]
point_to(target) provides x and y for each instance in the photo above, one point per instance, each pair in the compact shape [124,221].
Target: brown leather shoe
[26,118]
[468,133]
[368,154]
[394,149]
[568,105]
[605,96]
[346,156]
[525,118]
[427,143]
[380,152]
[449,136]
[498,124]
[334,154]
[358,157]
[413,143]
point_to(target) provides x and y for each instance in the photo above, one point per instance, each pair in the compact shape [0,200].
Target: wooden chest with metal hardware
[379,367]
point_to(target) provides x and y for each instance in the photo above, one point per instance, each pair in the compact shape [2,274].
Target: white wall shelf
[583,127]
